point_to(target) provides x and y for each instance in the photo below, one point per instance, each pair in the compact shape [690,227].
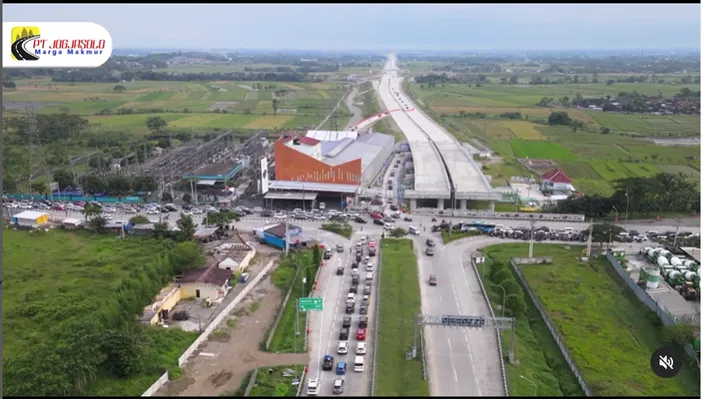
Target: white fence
[498,335]
[221,316]
[157,385]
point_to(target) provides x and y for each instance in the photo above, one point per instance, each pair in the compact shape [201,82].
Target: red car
[361,334]
[57,207]
[376,215]
[372,244]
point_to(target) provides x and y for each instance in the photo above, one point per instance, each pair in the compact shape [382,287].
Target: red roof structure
[556,176]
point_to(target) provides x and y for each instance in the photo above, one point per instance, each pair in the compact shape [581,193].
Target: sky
[399,27]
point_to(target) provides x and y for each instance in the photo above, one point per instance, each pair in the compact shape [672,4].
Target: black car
[267,213]
[187,207]
[364,309]
[344,334]
[346,322]
[355,265]
[355,280]
[358,257]
[349,309]
[363,322]
[367,290]
[394,208]
[340,271]
[359,219]
[378,222]
[430,242]
[327,363]
[353,289]
[408,219]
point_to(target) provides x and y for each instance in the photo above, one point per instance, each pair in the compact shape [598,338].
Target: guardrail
[666,318]
[478,214]
[376,320]
[498,336]
[552,329]
[307,315]
[301,382]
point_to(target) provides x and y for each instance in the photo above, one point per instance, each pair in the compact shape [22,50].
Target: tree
[605,232]
[513,80]
[93,184]
[161,230]
[139,219]
[221,219]
[679,334]
[39,187]
[274,104]
[97,224]
[186,198]
[398,232]
[187,255]
[119,88]
[316,255]
[559,118]
[166,197]
[186,226]
[123,350]
[64,178]
[156,124]
[119,185]
[91,211]
[516,304]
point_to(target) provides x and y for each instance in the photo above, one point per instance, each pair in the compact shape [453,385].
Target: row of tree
[638,196]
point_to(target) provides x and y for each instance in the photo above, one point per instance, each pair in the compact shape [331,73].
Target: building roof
[144,226]
[556,176]
[367,147]
[72,221]
[328,135]
[301,140]
[205,232]
[207,275]
[291,195]
[279,230]
[312,186]
[228,262]
[29,215]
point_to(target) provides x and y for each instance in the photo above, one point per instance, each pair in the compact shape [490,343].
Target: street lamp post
[616,213]
[530,381]
[627,207]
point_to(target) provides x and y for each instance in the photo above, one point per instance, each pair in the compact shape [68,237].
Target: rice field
[650,125]
[523,130]
[541,150]
[266,122]
[593,187]
[137,122]
[529,112]
[611,171]
[578,170]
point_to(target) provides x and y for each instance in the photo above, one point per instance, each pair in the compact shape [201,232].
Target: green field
[274,383]
[184,105]
[608,332]
[399,302]
[593,160]
[57,278]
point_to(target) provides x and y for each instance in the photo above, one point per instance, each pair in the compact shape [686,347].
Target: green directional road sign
[305,304]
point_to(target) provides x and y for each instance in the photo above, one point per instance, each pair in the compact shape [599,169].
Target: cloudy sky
[384,26]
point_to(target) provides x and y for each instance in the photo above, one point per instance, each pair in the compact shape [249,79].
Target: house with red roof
[556,181]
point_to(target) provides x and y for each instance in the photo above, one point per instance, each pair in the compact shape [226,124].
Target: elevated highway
[465,178]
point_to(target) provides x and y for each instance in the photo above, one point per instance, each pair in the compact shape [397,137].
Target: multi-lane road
[325,326]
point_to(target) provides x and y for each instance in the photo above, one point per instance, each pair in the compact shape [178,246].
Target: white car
[109,209]
[319,217]
[187,213]
[343,347]
[258,209]
[106,216]
[196,211]
[369,267]
[210,208]
[353,214]
[152,211]
[351,297]
[361,348]
[280,216]
[130,210]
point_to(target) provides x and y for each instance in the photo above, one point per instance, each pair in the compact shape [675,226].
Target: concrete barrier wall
[552,330]
[666,318]
[157,385]
[224,313]
[252,381]
[479,214]
[307,315]
[249,256]
[498,336]
[302,382]
[376,323]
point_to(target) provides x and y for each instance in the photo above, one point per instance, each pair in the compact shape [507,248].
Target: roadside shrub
[398,232]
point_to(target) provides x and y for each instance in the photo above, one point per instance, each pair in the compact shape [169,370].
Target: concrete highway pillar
[462,205]
[492,206]
[413,205]
[440,204]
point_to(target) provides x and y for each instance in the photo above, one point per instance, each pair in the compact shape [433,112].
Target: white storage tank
[689,276]
[665,270]
[681,268]
[673,274]
[652,277]
[652,253]
[691,264]
[661,261]
[676,261]
[665,253]
[646,250]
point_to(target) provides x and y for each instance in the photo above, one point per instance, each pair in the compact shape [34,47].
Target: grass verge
[609,333]
[284,338]
[400,301]
[539,358]
[343,229]
[242,386]
[449,236]
[274,383]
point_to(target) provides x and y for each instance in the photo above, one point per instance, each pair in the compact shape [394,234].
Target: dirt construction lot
[224,360]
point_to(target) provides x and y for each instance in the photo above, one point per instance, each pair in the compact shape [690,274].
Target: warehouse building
[30,219]
[329,163]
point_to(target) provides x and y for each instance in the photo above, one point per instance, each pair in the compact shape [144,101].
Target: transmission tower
[36,151]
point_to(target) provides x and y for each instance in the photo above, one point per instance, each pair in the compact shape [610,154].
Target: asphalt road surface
[20,53]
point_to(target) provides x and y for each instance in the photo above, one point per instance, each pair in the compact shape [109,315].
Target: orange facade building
[300,159]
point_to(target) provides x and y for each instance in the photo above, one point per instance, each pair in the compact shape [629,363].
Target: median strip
[399,302]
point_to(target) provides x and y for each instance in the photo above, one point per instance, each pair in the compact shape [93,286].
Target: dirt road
[223,361]
[356,111]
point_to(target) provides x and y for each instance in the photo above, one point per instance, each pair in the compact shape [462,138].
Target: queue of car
[364,256]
